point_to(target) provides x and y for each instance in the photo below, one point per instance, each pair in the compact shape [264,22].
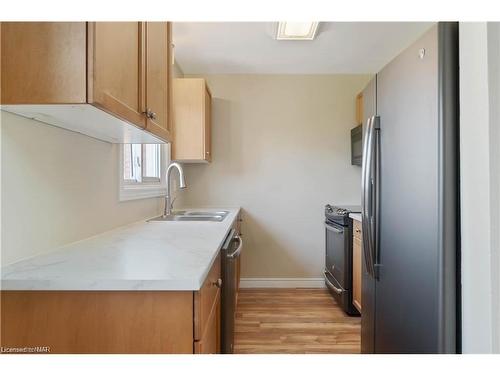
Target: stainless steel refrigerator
[410,200]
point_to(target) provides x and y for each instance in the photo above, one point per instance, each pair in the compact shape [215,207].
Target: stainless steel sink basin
[187,218]
[193,216]
[206,213]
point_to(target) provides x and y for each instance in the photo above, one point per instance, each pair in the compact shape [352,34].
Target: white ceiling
[250,47]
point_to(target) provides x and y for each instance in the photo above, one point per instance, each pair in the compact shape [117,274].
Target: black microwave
[357,145]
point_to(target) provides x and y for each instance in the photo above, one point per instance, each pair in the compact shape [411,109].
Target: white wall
[58,187]
[281,150]
[479,159]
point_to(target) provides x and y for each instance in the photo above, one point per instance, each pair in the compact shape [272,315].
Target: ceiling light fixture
[296,30]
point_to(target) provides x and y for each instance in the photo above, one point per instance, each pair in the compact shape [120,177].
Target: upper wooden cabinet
[109,80]
[43,62]
[158,78]
[192,124]
[116,77]
[359,109]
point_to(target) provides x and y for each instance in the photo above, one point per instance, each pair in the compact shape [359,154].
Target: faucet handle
[172,203]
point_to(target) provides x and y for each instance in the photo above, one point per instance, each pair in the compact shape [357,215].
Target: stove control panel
[336,210]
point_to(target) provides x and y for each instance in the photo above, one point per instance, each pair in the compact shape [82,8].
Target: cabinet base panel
[98,322]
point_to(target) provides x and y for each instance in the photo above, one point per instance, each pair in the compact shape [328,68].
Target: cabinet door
[359,108]
[208,125]
[115,69]
[238,273]
[158,75]
[43,62]
[205,299]
[356,273]
[210,342]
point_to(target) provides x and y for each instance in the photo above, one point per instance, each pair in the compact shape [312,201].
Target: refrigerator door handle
[366,198]
[376,200]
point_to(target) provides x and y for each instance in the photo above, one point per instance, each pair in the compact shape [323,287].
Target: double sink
[193,216]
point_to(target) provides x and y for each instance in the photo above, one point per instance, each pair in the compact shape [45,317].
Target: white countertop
[141,256]
[355,217]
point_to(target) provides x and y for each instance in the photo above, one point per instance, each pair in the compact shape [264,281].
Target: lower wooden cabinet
[94,322]
[119,322]
[207,311]
[357,265]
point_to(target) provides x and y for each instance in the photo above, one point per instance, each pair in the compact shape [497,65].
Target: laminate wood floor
[293,321]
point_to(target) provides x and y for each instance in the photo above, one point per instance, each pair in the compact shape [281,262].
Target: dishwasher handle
[238,250]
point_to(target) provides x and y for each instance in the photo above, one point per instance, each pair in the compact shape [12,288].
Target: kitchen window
[142,168]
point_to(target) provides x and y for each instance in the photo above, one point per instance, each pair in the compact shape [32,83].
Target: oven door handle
[333,229]
[335,289]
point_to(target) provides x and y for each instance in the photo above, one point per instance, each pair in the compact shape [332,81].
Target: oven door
[335,251]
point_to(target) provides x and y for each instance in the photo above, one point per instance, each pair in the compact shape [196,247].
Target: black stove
[338,260]
[340,214]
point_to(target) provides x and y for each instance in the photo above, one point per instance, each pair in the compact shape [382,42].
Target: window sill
[128,193]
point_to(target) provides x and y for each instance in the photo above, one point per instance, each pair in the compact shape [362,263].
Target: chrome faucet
[182,184]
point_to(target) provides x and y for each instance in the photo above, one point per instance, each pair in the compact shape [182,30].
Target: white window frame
[131,190]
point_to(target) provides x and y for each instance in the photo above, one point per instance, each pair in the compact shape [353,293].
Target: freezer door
[410,290]
[368,283]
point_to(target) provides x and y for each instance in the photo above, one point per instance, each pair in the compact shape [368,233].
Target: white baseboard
[282,282]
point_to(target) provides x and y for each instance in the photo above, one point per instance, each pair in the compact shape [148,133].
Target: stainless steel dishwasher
[230,253]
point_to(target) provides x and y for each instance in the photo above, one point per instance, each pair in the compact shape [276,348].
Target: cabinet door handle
[150,114]
[218,283]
